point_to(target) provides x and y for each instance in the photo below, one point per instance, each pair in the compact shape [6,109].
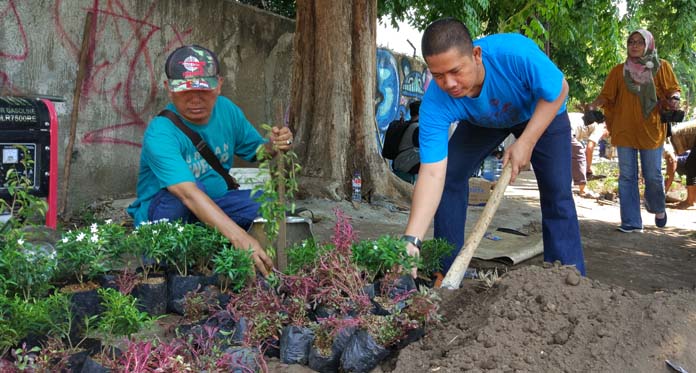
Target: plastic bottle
[357,186]
[490,168]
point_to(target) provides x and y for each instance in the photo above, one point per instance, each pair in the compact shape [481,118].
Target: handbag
[202,148]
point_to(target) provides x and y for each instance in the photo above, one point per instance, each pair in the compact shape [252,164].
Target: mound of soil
[538,319]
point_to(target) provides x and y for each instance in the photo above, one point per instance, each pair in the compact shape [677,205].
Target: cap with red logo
[192,67]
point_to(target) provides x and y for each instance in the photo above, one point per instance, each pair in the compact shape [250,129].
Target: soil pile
[552,320]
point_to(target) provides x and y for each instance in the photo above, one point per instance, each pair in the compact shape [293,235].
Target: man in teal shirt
[175,182]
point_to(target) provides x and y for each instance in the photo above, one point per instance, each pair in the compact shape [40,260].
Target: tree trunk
[333,101]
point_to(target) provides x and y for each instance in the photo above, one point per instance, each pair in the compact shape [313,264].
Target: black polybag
[363,353]
[295,342]
[329,364]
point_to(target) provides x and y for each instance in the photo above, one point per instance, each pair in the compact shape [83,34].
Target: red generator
[29,149]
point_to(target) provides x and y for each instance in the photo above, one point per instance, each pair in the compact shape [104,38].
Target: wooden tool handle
[456,272]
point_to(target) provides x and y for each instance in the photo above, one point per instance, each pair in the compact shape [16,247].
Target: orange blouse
[625,121]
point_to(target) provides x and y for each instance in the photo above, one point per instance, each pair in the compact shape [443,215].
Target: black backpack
[392,138]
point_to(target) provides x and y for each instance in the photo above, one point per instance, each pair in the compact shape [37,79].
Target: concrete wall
[40,43]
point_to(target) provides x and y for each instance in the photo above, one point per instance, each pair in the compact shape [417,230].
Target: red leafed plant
[326,330]
[423,306]
[263,308]
[340,284]
[126,281]
[148,356]
[297,294]
[344,235]
[137,356]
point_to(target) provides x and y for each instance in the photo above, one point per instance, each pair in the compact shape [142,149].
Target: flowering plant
[377,257]
[182,246]
[90,251]
[26,268]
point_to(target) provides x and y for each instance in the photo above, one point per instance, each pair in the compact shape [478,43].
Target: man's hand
[261,260]
[281,138]
[519,153]
[670,158]
[412,250]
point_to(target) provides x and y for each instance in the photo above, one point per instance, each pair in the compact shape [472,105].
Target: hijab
[639,73]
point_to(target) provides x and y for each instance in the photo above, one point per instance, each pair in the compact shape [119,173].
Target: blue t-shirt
[168,156]
[518,75]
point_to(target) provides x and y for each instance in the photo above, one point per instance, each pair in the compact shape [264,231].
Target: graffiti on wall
[398,84]
[122,81]
[12,24]
[131,96]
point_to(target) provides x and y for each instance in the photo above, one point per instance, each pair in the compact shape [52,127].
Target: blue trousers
[239,205]
[629,194]
[470,144]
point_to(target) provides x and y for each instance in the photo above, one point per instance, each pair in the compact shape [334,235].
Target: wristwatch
[413,240]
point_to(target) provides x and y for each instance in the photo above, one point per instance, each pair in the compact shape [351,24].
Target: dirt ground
[635,309]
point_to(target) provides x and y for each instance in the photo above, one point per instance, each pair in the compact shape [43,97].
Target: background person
[473,86]
[174,181]
[682,159]
[408,159]
[632,96]
[583,140]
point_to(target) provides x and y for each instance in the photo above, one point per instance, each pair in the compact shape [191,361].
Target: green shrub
[90,251]
[20,318]
[304,255]
[181,246]
[376,257]
[235,265]
[26,269]
[431,253]
[120,317]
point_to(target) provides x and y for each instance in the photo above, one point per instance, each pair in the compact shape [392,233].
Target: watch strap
[413,240]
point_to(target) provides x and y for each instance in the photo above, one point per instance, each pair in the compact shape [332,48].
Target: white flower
[180,229]
[375,247]
[649,65]
[93,228]
[80,237]
[20,242]
[108,221]
[94,238]
[65,240]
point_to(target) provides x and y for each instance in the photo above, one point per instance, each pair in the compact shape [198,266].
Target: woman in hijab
[632,97]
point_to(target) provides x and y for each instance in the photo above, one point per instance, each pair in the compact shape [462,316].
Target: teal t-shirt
[168,156]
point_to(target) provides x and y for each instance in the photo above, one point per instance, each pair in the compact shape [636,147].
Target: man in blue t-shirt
[175,182]
[496,86]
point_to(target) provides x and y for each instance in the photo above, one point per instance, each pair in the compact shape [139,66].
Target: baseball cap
[192,67]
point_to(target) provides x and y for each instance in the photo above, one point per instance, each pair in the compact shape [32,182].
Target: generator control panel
[22,161]
[28,151]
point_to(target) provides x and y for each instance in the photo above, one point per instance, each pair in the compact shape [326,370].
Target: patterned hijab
[639,73]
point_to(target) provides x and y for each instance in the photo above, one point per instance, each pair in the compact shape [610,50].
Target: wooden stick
[81,72]
[281,242]
[455,275]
